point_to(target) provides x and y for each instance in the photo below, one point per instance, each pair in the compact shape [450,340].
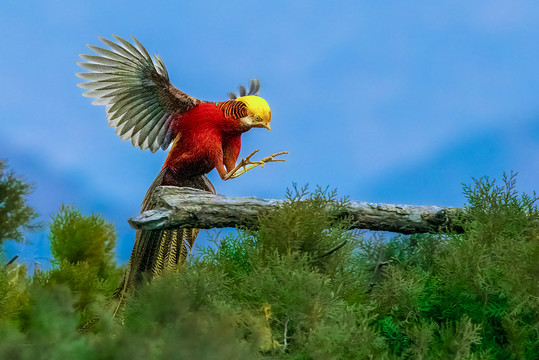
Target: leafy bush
[83,260]
[15,214]
[77,238]
[299,286]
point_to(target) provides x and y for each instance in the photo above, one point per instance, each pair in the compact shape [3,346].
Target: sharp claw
[234,173]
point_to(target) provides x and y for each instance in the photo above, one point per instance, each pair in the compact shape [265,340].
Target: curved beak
[262,125]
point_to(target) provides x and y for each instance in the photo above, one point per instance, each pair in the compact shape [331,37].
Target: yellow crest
[257,106]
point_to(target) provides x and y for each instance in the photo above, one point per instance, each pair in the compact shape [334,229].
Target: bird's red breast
[206,138]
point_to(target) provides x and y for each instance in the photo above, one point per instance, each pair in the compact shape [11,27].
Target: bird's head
[258,112]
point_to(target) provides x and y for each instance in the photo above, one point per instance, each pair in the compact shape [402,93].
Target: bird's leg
[247,164]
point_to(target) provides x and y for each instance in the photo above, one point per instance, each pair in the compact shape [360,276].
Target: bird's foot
[246,164]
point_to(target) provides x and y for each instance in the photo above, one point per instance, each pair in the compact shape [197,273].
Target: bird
[144,107]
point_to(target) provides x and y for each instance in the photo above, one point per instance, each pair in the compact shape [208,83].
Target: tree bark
[191,208]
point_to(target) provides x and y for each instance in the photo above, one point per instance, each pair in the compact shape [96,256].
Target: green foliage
[15,214]
[491,272]
[299,286]
[83,250]
[13,295]
[77,238]
[304,224]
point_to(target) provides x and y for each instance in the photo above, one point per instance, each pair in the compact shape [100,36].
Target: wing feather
[169,136]
[143,128]
[142,49]
[146,118]
[100,101]
[112,70]
[133,117]
[123,103]
[127,45]
[119,49]
[110,54]
[140,101]
[108,62]
[145,135]
[164,137]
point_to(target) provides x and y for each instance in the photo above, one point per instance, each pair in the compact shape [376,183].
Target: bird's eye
[257,118]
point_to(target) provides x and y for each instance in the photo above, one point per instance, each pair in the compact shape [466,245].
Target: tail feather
[172,256]
[156,251]
[159,251]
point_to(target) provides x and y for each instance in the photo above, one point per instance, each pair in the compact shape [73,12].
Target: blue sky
[396,102]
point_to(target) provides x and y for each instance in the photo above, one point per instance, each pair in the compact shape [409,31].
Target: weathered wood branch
[191,208]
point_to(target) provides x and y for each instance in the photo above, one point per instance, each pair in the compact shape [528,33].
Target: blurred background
[386,101]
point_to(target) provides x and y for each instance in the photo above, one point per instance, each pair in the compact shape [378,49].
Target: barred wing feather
[141,103]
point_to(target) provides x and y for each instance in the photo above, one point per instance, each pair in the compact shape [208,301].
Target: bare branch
[190,208]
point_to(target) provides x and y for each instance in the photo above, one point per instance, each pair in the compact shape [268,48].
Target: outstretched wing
[254,89]
[141,103]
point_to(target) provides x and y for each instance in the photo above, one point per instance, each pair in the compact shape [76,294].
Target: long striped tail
[156,251]
[159,251]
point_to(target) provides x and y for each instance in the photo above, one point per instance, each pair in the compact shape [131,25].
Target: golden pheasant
[145,107]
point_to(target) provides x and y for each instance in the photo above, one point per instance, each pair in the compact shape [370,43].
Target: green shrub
[83,259]
[301,285]
[77,238]
[16,215]
[14,297]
